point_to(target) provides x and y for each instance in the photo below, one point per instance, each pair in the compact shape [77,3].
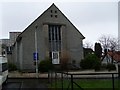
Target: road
[23,84]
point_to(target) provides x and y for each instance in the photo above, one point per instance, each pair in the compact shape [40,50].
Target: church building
[50,35]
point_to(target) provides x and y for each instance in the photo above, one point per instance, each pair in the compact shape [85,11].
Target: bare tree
[114,44]
[109,42]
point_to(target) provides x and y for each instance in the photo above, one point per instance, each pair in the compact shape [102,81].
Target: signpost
[36,52]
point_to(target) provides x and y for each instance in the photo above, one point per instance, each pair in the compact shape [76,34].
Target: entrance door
[55,57]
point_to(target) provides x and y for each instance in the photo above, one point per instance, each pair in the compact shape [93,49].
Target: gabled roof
[115,55]
[53,5]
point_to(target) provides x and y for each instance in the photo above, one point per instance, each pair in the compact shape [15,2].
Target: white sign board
[55,58]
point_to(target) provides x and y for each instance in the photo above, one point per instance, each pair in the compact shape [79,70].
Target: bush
[103,66]
[91,61]
[111,66]
[45,65]
[12,67]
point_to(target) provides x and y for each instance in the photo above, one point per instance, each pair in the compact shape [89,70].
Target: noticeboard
[55,58]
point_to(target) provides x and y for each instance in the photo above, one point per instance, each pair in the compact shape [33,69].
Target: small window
[56,16]
[55,11]
[51,11]
[51,15]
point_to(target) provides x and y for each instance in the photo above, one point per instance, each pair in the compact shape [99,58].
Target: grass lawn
[103,84]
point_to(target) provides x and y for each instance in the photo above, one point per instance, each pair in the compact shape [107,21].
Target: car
[3,69]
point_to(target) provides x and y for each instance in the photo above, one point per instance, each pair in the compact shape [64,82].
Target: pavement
[17,74]
[25,84]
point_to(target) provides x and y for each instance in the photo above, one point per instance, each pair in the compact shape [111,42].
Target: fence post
[55,81]
[62,79]
[71,82]
[113,81]
[48,76]
[51,78]
[119,70]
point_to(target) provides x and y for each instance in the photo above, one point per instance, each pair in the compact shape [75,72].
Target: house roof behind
[115,55]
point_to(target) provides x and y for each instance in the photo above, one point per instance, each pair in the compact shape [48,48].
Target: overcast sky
[93,18]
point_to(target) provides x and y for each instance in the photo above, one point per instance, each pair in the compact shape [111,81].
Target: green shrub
[12,67]
[45,65]
[91,61]
[83,64]
[111,66]
[103,66]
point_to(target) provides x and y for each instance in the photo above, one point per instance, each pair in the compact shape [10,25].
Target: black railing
[70,76]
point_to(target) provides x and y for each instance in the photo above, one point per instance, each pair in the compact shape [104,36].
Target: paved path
[26,84]
[16,74]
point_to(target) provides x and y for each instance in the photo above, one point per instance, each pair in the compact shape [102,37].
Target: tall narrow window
[55,37]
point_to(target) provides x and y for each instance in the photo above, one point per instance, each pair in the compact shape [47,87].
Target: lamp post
[36,52]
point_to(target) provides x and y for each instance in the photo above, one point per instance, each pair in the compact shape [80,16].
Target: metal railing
[71,76]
